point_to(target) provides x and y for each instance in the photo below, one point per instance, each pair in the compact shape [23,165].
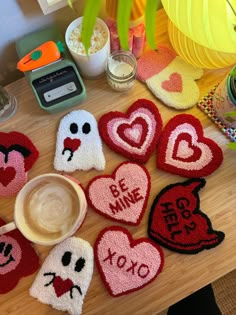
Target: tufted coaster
[125,264]
[18,259]
[205,104]
[176,221]
[183,149]
[134,134]
[123,196]
[65,275]
[169,77]
[79,146]
[17,156]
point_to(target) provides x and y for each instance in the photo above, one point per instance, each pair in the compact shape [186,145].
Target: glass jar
[121,70]
[8,104]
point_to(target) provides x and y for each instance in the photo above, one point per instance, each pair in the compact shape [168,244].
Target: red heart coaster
[125,264]
[134,134]
[183,149]
[122,196]
[176,221]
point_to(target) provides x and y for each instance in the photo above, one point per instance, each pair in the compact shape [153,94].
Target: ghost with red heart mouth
[79,146]
[65,275]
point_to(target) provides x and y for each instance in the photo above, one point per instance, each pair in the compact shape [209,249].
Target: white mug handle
[7,228]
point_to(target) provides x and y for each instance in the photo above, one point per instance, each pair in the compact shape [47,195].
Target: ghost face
[65,275]
[79,145]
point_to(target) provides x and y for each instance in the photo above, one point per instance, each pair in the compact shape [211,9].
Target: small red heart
[174,84]
[7,175]
[72,144]
[183,149]
[62,286]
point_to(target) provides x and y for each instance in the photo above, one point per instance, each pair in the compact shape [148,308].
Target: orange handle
[42,55]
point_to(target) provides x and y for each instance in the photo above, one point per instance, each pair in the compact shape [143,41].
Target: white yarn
[189,95]
[89,154]
[43,287]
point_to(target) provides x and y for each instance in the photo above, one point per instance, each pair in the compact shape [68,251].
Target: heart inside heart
[185,150]
[7,175]
[134,133]
[61,286]
[174,84]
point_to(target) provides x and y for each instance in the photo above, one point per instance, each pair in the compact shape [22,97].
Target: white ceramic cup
[93,65]
[48,209]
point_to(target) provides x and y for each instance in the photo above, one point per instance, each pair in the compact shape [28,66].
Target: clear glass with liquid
[8,104]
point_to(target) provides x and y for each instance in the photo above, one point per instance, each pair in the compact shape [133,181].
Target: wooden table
[182,274]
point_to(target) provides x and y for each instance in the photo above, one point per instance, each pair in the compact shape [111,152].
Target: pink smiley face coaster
[176,221]
[169,77]
[122,196]
[17,156]
[65,276]
[134,134]
[125,264]
[18,259]
[79,146]
[184,150]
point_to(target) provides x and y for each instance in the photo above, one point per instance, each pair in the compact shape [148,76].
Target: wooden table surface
[182,274]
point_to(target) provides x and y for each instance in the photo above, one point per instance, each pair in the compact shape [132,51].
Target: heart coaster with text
[18,259]
[183,149]
[17,156]
[125,264]
[134,134]
[123,196]
[176,221]
[65,276]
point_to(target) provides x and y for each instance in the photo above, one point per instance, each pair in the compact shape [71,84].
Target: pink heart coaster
[125,264]
[17,156]
[134,134]
[122,196]
[176,221]
[183,149]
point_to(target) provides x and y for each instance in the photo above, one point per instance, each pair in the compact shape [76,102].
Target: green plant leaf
[150,21]
[231,114]
[232,145]
[70,3]
[89,19]
[123,17]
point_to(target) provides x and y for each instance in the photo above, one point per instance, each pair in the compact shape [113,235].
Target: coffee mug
[48,209]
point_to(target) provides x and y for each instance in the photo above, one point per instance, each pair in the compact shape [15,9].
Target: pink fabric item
[123,196]
[125,264]
[153,62]
[17,156]
[134,134]
[174,84]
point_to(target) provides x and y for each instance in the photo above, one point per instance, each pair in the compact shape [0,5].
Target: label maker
[57,85]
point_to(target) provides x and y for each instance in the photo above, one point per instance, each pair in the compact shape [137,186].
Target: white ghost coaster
[65,275]
[79,146]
